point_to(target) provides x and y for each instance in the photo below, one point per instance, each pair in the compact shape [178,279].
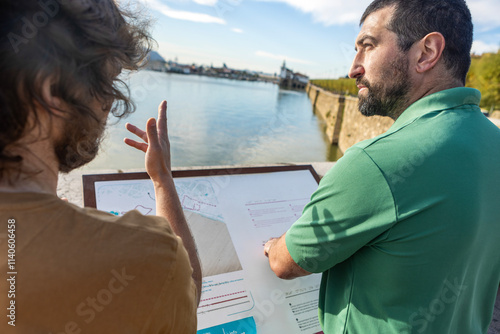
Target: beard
[80,143]
[388,97]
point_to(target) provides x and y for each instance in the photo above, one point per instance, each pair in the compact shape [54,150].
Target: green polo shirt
[406,226]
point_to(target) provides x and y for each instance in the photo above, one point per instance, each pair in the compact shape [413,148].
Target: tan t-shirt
[84,271]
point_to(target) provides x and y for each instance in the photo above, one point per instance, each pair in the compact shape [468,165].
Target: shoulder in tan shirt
[84,271]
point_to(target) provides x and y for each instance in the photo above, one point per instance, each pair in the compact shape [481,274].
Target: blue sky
[316,37]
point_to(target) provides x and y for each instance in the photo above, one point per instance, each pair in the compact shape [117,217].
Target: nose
[357,69]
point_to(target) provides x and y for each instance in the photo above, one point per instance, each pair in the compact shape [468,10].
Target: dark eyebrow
[364,38]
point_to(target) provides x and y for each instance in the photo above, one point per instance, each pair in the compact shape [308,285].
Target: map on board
[231,216]
[196,195]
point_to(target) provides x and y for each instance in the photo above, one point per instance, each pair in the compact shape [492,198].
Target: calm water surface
[216,121]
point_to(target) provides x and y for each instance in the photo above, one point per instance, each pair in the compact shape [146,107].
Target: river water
[215,121]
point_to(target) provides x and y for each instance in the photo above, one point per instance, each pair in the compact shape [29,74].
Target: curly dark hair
[80,46]
[414,19]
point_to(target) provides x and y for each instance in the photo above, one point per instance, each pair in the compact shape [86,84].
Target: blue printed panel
[243,326]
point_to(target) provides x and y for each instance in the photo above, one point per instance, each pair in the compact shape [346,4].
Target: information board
[232,213]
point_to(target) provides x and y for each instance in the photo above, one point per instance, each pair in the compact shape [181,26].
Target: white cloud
[206,2]
[237,30]
[485,12]
[480,47]
[279,57]
[183,15]
[337,12]
[330,12]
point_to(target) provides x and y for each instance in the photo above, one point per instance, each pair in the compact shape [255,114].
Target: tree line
[484,74]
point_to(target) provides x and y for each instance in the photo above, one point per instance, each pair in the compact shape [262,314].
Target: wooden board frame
[89,180]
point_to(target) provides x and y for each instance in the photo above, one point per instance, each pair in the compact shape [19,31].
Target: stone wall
[356,127]
[328,107]
[344,124]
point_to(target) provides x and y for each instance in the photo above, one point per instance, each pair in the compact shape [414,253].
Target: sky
[315,37]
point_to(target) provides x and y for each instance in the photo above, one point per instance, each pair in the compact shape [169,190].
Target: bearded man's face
[386,95]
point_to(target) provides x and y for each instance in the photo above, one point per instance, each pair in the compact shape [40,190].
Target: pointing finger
[162,118]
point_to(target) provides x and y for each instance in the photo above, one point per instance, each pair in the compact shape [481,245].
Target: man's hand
[280,260]
[156,145]
[270,243]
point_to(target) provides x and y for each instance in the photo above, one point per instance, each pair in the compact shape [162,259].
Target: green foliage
[484,74]
[342,86]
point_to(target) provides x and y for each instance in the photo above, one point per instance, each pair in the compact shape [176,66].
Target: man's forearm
[280,260]
[169,206]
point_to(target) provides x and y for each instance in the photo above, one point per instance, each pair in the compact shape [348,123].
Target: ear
[430,50]
[54,102]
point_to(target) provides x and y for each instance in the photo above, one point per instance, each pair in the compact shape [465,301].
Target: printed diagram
[120,197]
[193,204]
[201,208]
[199,196]
[142,209]
[215,246]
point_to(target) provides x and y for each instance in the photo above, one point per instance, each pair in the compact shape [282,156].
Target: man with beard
[68,269]
[405,226]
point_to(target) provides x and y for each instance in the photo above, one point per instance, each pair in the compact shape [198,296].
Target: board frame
[89,180]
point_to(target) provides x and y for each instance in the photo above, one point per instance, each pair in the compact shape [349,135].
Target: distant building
[292,80]
[268,77]
[155,62]
[175,67]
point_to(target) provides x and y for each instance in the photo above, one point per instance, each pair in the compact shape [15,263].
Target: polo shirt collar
[446,99]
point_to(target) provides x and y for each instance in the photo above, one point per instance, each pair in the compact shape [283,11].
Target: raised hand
[155,144]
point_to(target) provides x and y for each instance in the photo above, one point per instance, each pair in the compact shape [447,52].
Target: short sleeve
[352,206]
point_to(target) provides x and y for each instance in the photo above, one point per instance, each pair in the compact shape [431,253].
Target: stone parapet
[356,127]
[344,125]
[328,107]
